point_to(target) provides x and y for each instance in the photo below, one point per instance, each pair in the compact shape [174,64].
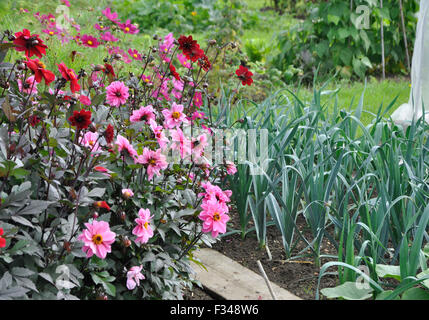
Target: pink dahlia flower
[213,192]
[180,142]
[127,193]
[134,276]
[143,114]
[90,140]
[85,100]
[174,117]
[97,239]
[230,168]
[143,230]
[214,217]
[124,145]
[117,93]
[154,160]
[159,134]
[183,60]
[29,86]
[198,99]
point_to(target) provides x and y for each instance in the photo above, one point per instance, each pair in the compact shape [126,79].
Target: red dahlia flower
[204,63]
[109,134]
[174,73]
[31,44]
[69,75]
[244,75]
[2,240]
[39,71]
[81,119]
[191,49]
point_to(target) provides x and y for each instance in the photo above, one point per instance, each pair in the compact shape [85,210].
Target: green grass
[377,93]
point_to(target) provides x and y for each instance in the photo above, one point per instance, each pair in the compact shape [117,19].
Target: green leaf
[384,294]
[415,294]
[22,272]
[387,271]
[333,19]
[348,291]
[110,289]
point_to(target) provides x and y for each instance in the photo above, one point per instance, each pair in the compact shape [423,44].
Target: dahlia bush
[107,184]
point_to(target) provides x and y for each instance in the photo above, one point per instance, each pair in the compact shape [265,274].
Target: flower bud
[212,42]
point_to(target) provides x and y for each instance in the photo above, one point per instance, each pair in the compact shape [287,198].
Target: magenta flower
[89,41]
[214,217]
[198,145]
[231,169]
[165,47]
[112,16]
[143,114]
[122,53]
[143,230]
[135,54]
[180,143]
[128,27]
[154,160]
[107,36]
[146,79]
[100,27]
[85,100]
[90,140]
[183,60]
[174,117]
[117,93]
[198,99]
[134,276]
[124,145]
[50,32]
[127,193]
[97,239]
[159,134]
[213,192]
[198,115]
[29,86]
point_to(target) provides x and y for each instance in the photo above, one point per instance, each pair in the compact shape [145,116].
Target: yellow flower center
[51,33]
[194,13]
[127,29]
[147,80]
[152,162]
[101,27]
[90,42]
[41,65]
[97,239]
[91,143]
[146,224]
[135,55]
[176,115]
[216,216]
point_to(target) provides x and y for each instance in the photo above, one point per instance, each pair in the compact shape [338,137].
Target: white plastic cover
[419,95]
